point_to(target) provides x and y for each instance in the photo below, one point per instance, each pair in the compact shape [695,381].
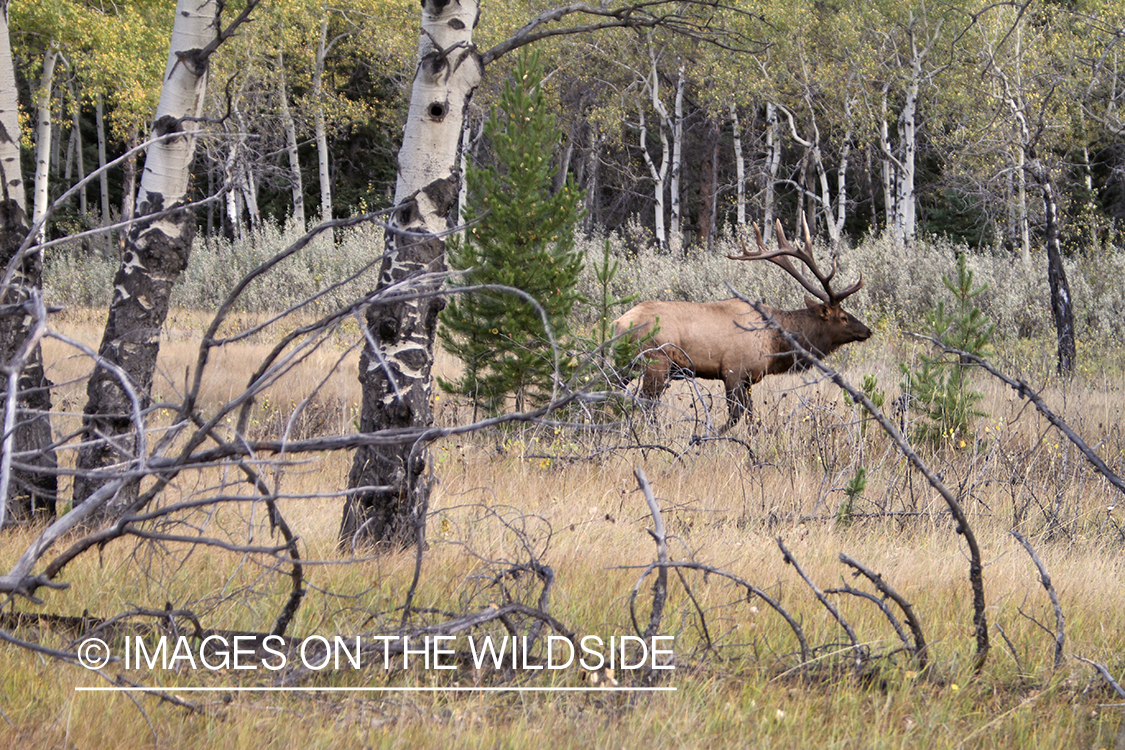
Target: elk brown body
[730,341]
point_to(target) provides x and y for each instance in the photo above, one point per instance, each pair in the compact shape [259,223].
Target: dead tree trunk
[1062,307]
[709,187]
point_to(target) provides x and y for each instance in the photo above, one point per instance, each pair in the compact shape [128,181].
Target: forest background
[913,119]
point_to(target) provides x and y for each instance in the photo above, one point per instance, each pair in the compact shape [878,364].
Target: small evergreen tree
[940,387]
[608,362]
[521,234]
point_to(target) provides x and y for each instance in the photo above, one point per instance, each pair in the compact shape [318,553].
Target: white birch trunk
[11,173]
[397,384]
[676,237]
[296,182]
[815,158]
[320,129]
[842,175]
[247,184]
[1021,156]
[887,172]
[232,201]
[659,177]
[739,168]
[908,134]
[43,140]
[842,187]
[250,194]
[156,253]
[1021,208]
[31,489]
[659,174]
[432,135]
[773,164]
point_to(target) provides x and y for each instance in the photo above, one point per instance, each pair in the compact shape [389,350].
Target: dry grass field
[554,495]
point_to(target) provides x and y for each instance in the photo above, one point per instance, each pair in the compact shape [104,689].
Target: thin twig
[1011,647]
[1045,579]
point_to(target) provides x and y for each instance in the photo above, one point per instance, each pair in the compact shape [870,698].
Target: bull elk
[729,341]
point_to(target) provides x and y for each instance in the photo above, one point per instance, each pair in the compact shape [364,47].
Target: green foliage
[608,363]
[940,387]
[604,275]
[621,351]
[520,235]
[874,394]
[845,514]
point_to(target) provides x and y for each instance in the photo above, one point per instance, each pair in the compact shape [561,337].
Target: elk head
[838,327]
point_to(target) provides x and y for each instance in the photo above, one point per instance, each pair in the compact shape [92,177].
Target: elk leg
[653,383]
[738,403]
[655,379]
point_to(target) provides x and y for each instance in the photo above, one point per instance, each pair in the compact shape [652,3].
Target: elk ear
[810,302]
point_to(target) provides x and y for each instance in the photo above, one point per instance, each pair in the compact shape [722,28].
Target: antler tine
[839,296]
[780,257]
[810,261]
[746,254]
[785,251]
[833,297]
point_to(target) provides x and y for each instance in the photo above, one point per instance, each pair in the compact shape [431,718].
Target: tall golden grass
[561,497]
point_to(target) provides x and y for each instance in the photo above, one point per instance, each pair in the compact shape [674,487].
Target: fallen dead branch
[918,650]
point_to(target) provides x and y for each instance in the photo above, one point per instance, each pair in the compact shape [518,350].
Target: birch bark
[320,128]
[44,132]
[156,253]
[296,182]
[389,486]
[676,236]
[739,168]
[23,492]
[773,165]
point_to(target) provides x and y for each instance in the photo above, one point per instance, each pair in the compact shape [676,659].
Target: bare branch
[976,564]
[1026,391]
[1105,675]
[660,585]
[859,651]
[885,589]
[640,15]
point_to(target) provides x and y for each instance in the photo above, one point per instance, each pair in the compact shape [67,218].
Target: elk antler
[785,251]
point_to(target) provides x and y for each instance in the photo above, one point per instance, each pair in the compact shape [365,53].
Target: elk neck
[817,332]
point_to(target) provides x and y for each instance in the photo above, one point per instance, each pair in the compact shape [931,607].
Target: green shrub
[940,387]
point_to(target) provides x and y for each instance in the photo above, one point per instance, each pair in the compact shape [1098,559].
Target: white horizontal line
[451,689]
